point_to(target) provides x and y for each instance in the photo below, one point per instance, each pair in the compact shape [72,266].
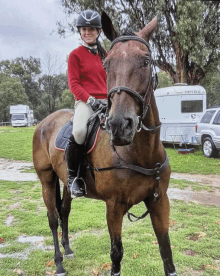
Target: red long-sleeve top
[86,75]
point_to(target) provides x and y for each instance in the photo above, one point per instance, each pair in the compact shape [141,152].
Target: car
[208,132]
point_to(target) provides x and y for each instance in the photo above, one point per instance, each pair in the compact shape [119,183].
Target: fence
[5,123]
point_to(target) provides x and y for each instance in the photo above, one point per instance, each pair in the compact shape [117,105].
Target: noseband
[133,93]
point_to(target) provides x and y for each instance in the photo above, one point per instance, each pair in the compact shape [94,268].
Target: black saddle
[93,127]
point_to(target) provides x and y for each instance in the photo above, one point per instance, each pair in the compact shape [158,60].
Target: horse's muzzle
[121,130]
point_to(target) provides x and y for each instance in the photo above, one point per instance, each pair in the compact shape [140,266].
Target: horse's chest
[125,184]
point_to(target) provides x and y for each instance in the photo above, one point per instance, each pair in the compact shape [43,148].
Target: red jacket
[86,75]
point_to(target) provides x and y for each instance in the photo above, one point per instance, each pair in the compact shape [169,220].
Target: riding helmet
[89,18]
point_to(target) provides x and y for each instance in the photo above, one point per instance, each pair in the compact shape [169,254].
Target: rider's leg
[74,150]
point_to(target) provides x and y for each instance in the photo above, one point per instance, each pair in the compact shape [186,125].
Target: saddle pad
[66,131]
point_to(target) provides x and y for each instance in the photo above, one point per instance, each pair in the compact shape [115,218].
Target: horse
[129,163]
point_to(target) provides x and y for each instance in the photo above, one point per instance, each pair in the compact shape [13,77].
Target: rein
[159,168]
[133,93]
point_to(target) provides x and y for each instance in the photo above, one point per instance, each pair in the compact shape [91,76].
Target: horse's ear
[147,32]
[108,27]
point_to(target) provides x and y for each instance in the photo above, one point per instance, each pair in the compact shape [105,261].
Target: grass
[195,186]
[194,228]
[194,234]
[16,143]
[192,163]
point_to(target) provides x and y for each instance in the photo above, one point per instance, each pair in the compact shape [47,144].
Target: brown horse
[132,128]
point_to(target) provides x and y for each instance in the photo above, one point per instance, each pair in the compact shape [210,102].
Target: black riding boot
[74,152]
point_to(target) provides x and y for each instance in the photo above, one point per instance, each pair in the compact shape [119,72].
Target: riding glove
[94,103]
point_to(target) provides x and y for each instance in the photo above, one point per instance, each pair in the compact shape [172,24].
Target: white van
[180,107]
[21,115]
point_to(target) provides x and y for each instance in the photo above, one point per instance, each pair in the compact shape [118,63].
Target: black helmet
[89,18]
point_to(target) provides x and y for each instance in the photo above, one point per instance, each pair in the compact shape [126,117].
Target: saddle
[93,128]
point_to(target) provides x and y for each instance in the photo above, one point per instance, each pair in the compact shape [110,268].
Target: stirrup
[78,187]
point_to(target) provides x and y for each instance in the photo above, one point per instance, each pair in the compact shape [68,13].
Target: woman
[87,82]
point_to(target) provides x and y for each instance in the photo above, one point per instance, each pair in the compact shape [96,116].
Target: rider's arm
[74,78]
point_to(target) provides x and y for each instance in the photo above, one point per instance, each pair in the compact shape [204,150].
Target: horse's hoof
[69,256]
[60,272]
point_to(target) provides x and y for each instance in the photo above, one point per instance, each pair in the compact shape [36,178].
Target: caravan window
[191,106]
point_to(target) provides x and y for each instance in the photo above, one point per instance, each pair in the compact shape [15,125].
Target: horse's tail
[58,198]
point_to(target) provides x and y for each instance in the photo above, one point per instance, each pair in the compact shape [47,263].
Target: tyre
[208,148]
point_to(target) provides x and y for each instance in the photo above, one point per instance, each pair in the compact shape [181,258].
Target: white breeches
[82,113]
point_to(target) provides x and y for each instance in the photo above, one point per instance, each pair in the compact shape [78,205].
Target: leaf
[95,272]
[50,263]
[2,240]
[201,234]
[217,222]
[172,222]
[18,271]
[106,266]
[154,242]
[60,234]
[135,256]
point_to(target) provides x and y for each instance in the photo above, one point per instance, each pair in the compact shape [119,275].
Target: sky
[26,27]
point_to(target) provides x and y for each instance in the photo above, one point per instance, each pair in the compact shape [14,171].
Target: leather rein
[159,168]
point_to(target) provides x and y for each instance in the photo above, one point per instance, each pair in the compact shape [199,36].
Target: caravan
[180,108]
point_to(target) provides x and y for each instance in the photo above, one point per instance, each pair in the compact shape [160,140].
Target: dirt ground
[14,171]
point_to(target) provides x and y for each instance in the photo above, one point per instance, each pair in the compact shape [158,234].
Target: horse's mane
[128,31]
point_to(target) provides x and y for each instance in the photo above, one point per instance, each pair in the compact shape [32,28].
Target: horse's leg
[159,213]
[65,210]
[49,181]
[115,213]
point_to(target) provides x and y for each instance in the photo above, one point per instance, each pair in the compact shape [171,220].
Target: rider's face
[89,34]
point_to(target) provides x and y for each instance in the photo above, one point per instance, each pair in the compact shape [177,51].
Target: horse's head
[129,80]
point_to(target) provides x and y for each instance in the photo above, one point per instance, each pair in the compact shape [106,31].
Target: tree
[212,86]
[28,71]
[67,100]
[187,40]
[164,80]
[52,87]
[11,93]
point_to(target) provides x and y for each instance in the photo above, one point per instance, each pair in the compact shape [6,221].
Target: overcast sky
[26,27]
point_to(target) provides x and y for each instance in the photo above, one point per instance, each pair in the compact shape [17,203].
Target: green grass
[88,228]
[90,239]
[195,186]
[16,143]
[193,162]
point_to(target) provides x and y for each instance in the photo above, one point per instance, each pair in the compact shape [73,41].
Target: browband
[129,37]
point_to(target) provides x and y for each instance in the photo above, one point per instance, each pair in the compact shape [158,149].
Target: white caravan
[21,115]
[180,108]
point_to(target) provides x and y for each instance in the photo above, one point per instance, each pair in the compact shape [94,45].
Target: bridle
[133,93]
[158,168]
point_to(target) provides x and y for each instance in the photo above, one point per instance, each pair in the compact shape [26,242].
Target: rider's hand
[94,103]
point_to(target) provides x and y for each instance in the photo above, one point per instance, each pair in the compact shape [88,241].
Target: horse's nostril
[128,124]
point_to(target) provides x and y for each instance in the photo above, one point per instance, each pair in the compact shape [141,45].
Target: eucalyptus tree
[186,44]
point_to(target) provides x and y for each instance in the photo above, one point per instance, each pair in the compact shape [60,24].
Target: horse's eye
[146,62]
